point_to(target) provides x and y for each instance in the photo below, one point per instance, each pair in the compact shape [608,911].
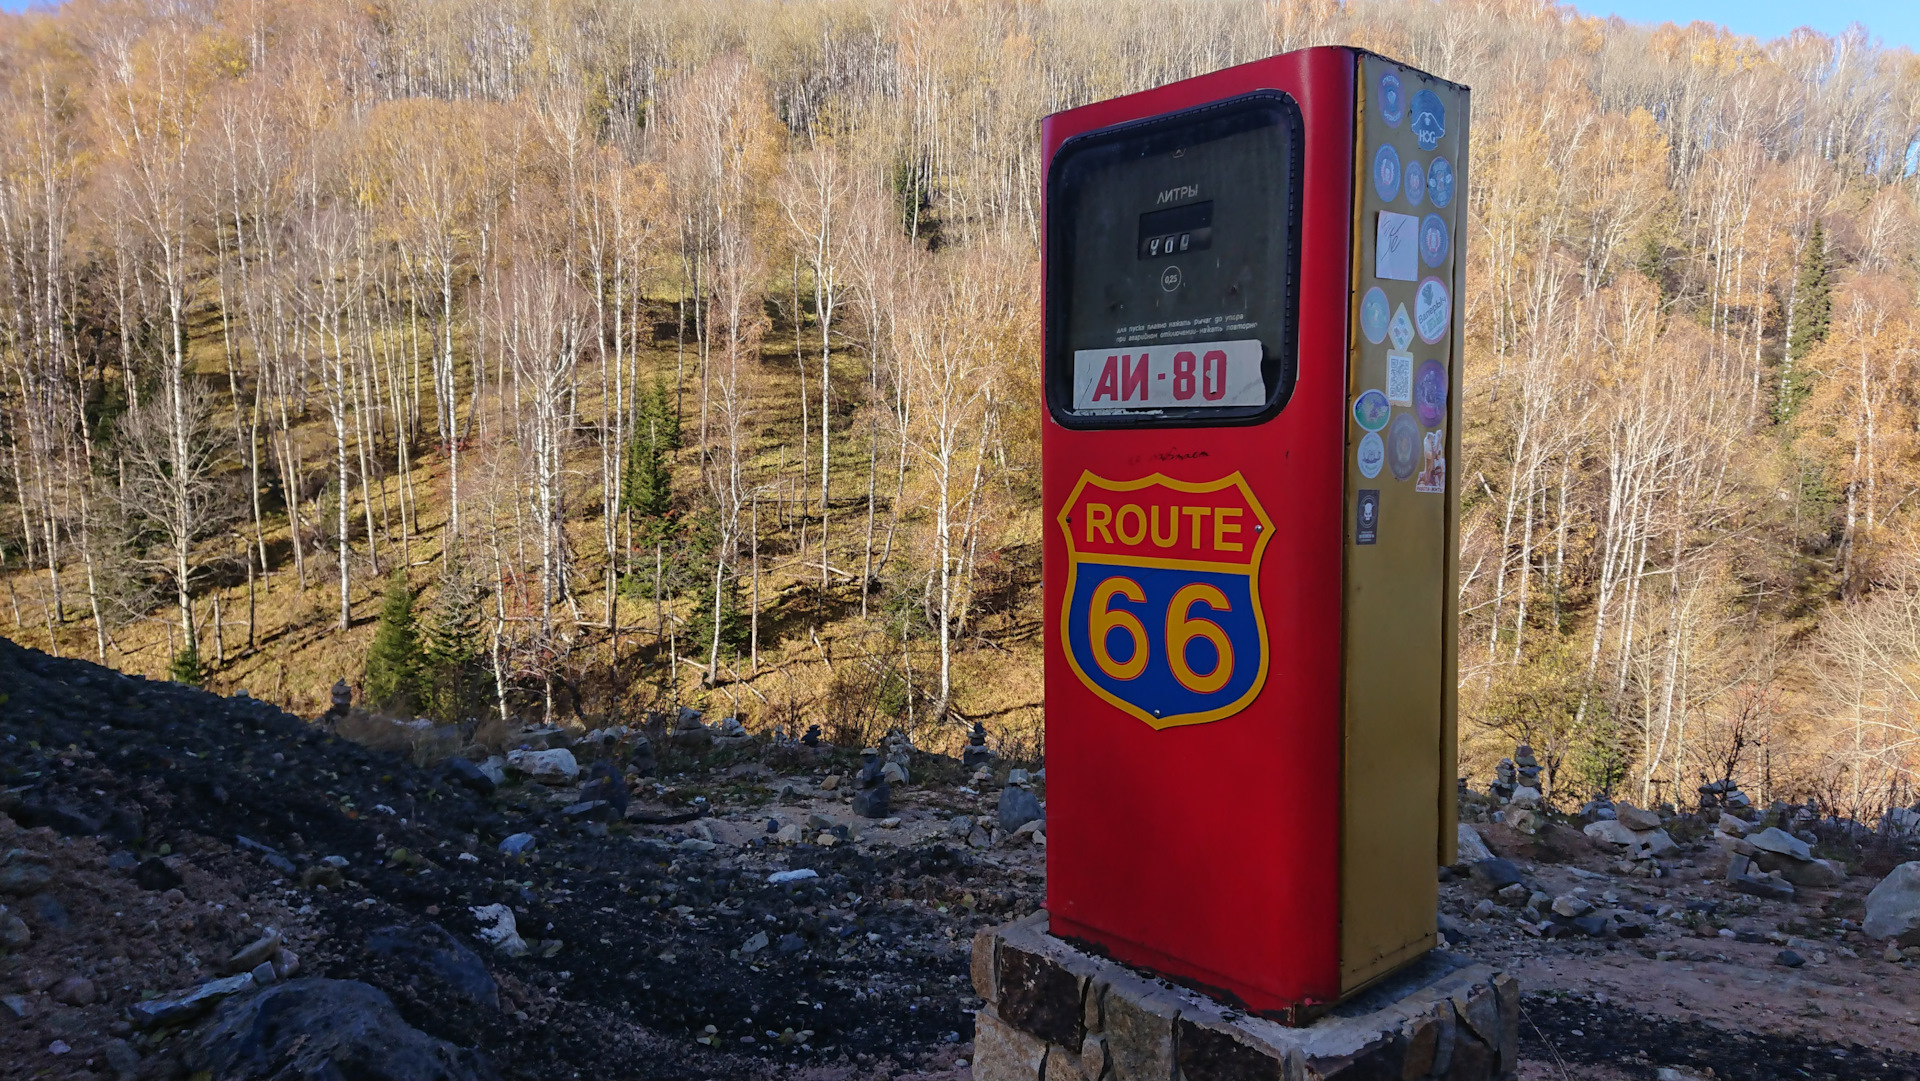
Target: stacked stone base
[1057,1013]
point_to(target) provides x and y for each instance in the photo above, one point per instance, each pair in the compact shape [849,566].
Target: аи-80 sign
[1162,607]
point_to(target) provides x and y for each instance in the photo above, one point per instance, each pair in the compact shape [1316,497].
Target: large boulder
[1657,843]
[314,1028]
[1497,874]
[1776,840]
[1816,874]
[1902,822]
[467,774]
[1636,819]
[606,785]
[1636,844]
[1017,808]
[1609,831]
[433,950]
[548,767]
[1893,908]
[1470,847]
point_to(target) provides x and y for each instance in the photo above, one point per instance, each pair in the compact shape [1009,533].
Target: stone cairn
[732,734]
[689,732]
[1724,796]
[1516,786]
[898,747]
[1767,861]
[1527,771]
[342,702]
[977,753]
[874,796]
[1637,838]
[1503,783]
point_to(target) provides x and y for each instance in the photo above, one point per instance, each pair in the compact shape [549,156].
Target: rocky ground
[734,919]
[1690,973]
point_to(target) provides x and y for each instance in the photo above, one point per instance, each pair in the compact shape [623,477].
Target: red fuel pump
[1252,371]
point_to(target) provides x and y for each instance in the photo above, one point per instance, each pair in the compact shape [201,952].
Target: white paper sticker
[1196,375]
[1401,329]
[1400,378]
[1396,249]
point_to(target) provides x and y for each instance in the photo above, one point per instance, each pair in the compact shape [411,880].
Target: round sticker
[1415,181]
[1432,310]
[1403,447]
[1428,120]
[1393,103]
[1429,394]
[1440,181]
[1371,410]
[1371,455]
[1386,172]
[1373,315]
[1433,239]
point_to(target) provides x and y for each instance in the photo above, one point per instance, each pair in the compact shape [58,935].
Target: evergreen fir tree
[665,415]
[734,627]
[452,674]
[393,661]
[1813,297]
[648,486]
[186,667]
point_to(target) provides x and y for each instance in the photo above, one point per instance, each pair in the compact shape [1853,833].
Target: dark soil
[636,940]
[1640,1045]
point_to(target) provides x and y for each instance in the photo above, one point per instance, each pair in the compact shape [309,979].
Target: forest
[587,358]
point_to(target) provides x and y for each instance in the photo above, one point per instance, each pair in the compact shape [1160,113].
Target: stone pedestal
[1057,1013]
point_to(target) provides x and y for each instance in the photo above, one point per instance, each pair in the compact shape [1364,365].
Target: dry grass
[820,663]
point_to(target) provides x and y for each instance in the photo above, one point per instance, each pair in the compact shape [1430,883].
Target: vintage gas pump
[1252,370]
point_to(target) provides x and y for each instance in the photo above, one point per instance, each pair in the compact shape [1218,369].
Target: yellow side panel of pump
[1403,429]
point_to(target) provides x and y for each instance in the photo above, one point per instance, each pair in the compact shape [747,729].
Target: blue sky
[1894,22]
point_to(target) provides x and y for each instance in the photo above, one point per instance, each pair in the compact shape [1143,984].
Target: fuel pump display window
[1180,230]
[1197,327]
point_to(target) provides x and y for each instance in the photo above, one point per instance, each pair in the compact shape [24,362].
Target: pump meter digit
[1173,261]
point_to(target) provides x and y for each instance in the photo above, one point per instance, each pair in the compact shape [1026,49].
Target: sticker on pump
[1395,251]
[1440,182]
[1161,612]
[1400,378]
[1432,310]
[1401,329]
[1196,375]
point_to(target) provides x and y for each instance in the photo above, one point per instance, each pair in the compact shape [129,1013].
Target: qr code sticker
[1400,378]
